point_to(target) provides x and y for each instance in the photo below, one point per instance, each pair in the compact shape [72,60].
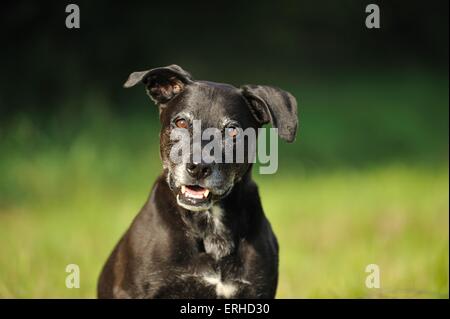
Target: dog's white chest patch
[225,290]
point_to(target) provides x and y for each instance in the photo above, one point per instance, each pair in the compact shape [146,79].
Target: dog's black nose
[198,171]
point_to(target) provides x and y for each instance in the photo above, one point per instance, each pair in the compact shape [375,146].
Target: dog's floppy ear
[272,105]
[162,83]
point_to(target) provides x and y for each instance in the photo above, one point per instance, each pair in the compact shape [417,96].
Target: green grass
[366,182]
[329,228]
[332,226]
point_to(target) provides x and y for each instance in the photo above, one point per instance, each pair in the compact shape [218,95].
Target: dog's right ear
[162,84]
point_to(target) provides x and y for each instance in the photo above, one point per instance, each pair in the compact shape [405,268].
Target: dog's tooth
[195,196]
[183,189]
[206,193]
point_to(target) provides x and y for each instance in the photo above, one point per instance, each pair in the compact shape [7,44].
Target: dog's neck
[219,229]
[210,230]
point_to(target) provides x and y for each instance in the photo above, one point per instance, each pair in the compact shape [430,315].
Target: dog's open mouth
[194,192]
[194,197]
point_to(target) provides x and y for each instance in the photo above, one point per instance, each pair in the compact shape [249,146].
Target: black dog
[202,233]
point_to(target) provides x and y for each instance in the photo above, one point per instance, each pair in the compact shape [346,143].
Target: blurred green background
[365,182]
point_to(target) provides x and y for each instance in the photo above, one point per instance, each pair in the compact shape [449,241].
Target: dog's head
[182,100]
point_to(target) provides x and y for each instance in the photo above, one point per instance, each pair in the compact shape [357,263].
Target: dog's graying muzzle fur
[202,233]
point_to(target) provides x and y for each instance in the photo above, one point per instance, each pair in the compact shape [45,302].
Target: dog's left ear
[272,105]
[162,83]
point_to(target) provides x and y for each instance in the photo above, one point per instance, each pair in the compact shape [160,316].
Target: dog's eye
[181,123]
[232,131]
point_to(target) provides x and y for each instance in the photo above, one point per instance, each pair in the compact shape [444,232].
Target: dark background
[351,82]
[45,64]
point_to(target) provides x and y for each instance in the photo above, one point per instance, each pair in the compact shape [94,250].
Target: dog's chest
[214,284]
[214,269]
[203,278]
